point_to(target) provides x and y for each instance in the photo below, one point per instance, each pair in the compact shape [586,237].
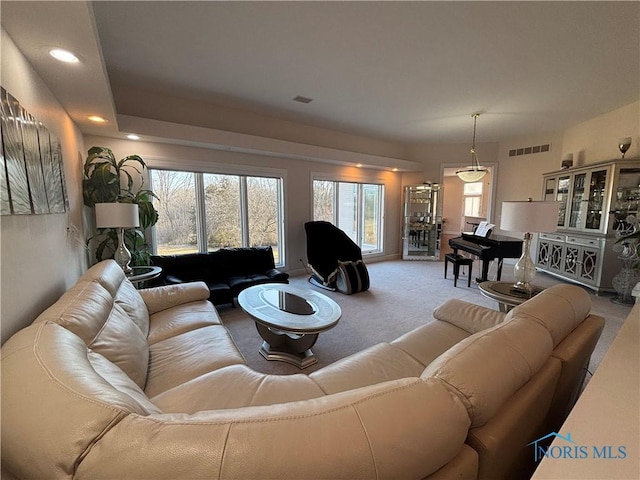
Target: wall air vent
[302,99]
[530,150]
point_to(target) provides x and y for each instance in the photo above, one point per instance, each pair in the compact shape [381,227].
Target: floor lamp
[118,216]
[529,217]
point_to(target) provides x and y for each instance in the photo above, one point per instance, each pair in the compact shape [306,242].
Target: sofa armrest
[467,316]
[167,296]
[277,275]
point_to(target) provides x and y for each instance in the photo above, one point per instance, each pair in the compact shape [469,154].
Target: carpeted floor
[402,296]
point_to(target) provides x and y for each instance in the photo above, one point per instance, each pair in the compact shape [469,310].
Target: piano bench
[457,260]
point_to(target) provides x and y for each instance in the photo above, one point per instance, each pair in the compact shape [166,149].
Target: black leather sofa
[226,272]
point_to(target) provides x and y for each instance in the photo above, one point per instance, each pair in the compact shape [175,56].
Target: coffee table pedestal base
[287,347]
[300,360]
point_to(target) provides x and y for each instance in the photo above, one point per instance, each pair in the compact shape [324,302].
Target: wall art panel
[60,202]
[14,156]
[5,205]
[33,163]
[32,179]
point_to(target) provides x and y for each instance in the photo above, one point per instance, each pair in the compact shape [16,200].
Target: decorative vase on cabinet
[625,280]
[422,217]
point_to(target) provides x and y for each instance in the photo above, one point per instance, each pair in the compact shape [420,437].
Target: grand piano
[487,249]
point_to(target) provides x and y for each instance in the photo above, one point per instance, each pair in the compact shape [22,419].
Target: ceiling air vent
[302,99]
[529,150]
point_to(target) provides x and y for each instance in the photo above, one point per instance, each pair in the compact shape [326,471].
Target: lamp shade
[471,174]
[528,216]
[117,215]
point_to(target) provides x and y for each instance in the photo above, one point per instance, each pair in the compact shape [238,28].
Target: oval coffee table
[289,320]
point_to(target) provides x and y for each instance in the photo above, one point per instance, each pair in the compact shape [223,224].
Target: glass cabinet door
[422,223]
[626,200]
[596,200]
[562,196]
[550,189]
[577,204]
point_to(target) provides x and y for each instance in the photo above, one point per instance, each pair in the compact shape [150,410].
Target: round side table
[143,273]
[506,296]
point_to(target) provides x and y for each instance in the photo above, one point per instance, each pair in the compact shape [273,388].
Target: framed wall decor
[31,168]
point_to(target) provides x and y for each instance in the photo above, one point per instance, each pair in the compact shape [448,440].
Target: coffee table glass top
[288,302]
[263,303]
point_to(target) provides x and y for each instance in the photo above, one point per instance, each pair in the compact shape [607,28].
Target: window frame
[236,170]
[361,182]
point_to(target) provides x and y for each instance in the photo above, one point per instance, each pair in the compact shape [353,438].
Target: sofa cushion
[89,310]
[180,319]
[427,342]
[236,386]
[246,261]
[184,357]
[110,372]
[468,316]
[220,291]
[157,299]
[485,369]
[560,309]
[123,343]
[239,283]
[376,364]
[110,276]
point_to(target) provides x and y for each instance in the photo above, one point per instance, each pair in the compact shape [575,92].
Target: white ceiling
[402,71]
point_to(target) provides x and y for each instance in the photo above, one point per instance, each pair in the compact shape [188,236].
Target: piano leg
[485,271]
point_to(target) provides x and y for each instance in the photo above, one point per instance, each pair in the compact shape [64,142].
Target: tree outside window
[202,212]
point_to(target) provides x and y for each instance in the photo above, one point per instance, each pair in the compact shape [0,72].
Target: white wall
[520,177]
[597,139]
[40,258]
[297,185]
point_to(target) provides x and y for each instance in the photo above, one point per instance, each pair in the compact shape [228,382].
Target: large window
[472,199]
[355,208]
[202,212]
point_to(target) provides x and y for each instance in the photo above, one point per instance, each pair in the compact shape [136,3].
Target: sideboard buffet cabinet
[422,226]
[595,203]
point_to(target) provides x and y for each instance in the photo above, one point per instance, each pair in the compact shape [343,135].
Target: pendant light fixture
[473,172]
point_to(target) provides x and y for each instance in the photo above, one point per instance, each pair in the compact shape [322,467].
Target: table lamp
[529,217]
[118,216]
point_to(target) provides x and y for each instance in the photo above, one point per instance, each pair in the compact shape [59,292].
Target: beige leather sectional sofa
[112,382]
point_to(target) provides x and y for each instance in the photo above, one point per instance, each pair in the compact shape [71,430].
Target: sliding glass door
[355,208]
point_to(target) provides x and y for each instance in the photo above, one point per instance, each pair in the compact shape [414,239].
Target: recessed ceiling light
[394,169]
[64,55]
[133,136]
[359,165]
[96,119]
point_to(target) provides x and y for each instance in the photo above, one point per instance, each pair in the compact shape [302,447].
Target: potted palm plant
[109,180]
